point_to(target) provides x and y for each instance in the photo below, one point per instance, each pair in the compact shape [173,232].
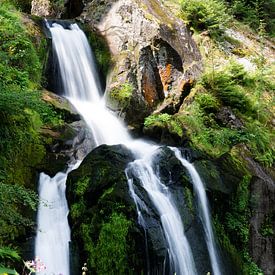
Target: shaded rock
[73,8]
[227,118]
[262,227]
[152,50]
[63,144]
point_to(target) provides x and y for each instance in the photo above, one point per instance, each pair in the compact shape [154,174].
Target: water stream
[80,86]
[203,211]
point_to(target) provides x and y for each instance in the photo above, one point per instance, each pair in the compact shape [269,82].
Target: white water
[204,210]
[179,249]
[80,87]
[53,233]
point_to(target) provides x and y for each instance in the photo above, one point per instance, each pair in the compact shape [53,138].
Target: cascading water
[181,259]
[53,234]
[203,209]
[80,87]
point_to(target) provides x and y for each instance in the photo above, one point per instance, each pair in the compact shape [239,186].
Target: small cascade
[180,254]
[203,211]
[53,232]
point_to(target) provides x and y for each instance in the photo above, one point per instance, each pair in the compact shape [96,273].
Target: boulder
[152,50]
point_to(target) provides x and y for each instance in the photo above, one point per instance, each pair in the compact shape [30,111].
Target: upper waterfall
[76,63]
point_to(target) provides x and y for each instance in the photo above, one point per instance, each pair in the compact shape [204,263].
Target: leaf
[4,271]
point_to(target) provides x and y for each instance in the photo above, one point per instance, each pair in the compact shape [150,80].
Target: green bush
[208,15]
[208,102]
[253,13]
[171,123]
[13,221]
[122,94]
[22,114]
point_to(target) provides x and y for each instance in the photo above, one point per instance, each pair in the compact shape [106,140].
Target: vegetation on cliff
[22,114]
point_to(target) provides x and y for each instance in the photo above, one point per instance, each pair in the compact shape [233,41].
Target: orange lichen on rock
[185,84]
[166,76]
[149,91]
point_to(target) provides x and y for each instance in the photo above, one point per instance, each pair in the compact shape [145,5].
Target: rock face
[262,227]
[152,51]
[41,8]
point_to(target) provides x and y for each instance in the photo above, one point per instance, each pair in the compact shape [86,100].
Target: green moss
[111,248]
[171,123]
[266,229]
[107,192]
[237,220]
[82,186]
[188,196]
[78,209]
[122,95]
[100,49]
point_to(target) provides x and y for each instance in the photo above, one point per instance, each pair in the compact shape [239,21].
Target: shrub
[208,15]
[122,94]
[171,123]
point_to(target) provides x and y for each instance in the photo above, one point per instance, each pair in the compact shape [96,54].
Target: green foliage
[157,118]
[208,15]
[172,123]
[266,229]
[208,102]
[7,253]
[250,97]
[237,220]
[23,5]
[111,248]
[82,186]
[14,200]
[253,12]
[4,271]
[250,267]
[77,209]
[18,54]
[122,94]
[260,142]
[22,114]
[205,133]
[107,254]
[101,50]
[226,84]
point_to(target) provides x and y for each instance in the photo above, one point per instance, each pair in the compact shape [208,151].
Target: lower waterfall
[79,79]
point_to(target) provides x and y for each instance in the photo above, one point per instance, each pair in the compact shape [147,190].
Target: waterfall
[203,209]
[53,233]
[80,86]
[181,259]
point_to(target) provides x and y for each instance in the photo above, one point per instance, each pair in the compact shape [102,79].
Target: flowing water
[80,86]
[203,209]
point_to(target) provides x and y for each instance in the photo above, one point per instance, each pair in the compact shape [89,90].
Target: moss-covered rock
[98,193]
